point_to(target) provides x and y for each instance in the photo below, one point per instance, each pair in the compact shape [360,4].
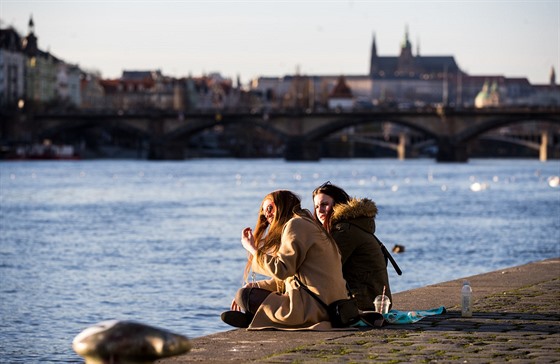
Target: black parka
[363,264]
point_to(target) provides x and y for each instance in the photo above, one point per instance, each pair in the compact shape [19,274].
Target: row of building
[35,79]
[407,81]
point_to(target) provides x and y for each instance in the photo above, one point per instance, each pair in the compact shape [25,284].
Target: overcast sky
[275,38]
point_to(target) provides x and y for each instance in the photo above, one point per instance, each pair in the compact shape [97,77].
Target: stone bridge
[301,132]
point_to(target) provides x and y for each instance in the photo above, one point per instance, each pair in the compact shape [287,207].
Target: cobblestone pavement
[518,326]
[516,319]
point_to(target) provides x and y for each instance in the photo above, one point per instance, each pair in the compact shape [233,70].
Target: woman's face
[323,206]
[269,210]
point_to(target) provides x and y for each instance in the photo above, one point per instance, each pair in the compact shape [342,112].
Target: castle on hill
[407,80]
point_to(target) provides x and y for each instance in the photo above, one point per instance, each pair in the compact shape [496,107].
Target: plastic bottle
[466,300]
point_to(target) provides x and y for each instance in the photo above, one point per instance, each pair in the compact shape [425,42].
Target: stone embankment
[516,319]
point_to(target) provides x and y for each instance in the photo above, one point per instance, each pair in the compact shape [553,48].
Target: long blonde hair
[268,236]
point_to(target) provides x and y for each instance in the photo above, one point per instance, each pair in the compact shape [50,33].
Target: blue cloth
[405,317]
[409,317]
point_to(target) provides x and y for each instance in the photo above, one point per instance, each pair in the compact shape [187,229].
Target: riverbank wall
[516,319]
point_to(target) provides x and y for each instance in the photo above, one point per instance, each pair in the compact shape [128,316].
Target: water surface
[159,242]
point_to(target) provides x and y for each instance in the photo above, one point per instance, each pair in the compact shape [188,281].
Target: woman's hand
[235,306]
[248,241]
[251,284]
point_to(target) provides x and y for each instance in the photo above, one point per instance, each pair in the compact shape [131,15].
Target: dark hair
[338,195]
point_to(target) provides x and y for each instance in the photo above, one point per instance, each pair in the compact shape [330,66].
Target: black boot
[372,318]
[236,318]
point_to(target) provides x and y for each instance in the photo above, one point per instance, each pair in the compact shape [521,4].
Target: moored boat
[45,151]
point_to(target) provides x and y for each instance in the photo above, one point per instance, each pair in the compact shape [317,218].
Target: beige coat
[306,250]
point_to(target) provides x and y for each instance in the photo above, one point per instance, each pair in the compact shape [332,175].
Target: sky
[249,39]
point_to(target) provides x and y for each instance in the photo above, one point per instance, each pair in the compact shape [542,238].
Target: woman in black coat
[351,222]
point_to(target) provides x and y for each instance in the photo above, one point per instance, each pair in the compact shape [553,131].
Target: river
[159,242]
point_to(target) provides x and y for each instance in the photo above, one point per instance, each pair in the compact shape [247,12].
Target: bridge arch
[310,143]
[199,125]
[80,125]
[495,123]
[248,126]
[106,138]
[321,132]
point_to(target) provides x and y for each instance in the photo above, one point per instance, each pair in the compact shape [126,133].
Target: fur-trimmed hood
[355,208]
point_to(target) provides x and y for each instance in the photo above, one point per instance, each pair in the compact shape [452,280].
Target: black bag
[342,313]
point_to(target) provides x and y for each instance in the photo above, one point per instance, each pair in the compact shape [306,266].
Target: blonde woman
[286,242]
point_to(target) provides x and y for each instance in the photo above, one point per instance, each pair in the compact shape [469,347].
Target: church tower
[406,59]
[373,62]
[30,42]
[552,76]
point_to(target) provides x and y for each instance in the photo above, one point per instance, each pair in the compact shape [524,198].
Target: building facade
[32,78]
[38,79]
[12,69]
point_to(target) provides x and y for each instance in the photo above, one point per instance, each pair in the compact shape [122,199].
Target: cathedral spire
[373,66]
[30,46]
[31,25]
[406,43]
[405,65]
[373,47]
